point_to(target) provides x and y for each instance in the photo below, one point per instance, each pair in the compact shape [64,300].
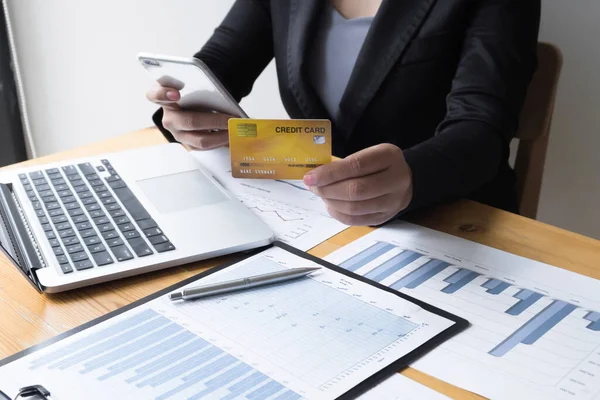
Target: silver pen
[241,283]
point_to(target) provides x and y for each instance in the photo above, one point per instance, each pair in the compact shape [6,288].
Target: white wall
[83,84]
[81,79]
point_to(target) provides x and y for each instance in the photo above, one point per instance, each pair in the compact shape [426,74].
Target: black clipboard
[460,324]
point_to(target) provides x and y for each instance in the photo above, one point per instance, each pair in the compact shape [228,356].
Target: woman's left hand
[366,188]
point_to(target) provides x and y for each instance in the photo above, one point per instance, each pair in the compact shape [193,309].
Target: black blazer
[444,80]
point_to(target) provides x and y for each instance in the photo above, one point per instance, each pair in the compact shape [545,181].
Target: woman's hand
[366,188]
[199,130]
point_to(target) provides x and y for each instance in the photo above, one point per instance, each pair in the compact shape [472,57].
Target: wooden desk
[29,318]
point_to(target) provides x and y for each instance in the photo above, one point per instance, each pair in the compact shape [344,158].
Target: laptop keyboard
[89,221]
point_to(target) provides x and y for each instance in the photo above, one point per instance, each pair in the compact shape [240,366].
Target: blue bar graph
[366,256]
[495,286]
[535,328]
[459,279]
[420,275]
[150,350]
[527,299]
[393,265]
[594,318]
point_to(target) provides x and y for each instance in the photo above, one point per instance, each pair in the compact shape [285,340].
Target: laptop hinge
[16,239]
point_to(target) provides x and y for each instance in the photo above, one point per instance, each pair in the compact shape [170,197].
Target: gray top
[332,58]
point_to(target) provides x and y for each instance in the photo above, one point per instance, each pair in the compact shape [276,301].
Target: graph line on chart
[518,328]
[282,217]
[292,184]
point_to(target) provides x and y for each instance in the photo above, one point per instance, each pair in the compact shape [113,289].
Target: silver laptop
[78,223]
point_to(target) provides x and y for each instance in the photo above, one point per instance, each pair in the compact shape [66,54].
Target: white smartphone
[199,87]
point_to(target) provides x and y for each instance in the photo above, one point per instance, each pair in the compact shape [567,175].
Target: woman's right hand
[199,130]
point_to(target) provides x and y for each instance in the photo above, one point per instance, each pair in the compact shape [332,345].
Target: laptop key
[87,233]
[36,174]
[113,207]
[66,233]
[162,247]
[106,227]
[97,213]
[89,200]
[54,242]
[52,171]
[37,205]
[132,204]
[71,206]
[49,199]
[45,193]
[63,226]
[56,212]
[86,168]
[74,177]
[58,251]
[99,189]
[76,248]
[52,206]
[40,213]
[58,181]
[69,241]
[158,239]
[152,232]
[104,195]
[92,207]
[50,235]
[131,234]
[46,227]
[66,268]
[84,225]
[92,240]
[80,218]
[44,220]
[78,183]
[81,189]
[147,223]
[41,181]
[114,242]
[39,188]
[75,257]
[126,227]
[70,170]
[117,184]
[96,182]
[121,253]
[60,219]
[140,247]
[96,248]
[75,212]
[110,235]
[62,259]
[81,265]
[108,200]
[86,195]
[102,258]
[69,199]
[122,220]
[101,220]
[117,213]
[60,187]
[65,193]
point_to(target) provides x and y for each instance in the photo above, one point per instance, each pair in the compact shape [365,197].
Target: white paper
[535,332]
[314,338]
[399,387]
[296,215]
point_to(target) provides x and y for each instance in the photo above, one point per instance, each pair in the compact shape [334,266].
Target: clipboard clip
[26,392]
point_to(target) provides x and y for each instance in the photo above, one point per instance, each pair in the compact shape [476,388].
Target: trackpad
[181,191]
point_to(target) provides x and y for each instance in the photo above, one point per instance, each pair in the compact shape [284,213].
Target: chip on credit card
[278,149]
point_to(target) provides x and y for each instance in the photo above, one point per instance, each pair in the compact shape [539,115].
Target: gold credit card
[278,149]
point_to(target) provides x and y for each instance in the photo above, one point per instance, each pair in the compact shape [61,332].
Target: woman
[424,95]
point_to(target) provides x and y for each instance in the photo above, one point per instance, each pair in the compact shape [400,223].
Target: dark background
[12,142]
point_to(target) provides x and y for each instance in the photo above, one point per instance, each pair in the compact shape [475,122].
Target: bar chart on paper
[535,328]
[287,341]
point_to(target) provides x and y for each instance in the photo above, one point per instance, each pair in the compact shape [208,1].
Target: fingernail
[172,95]
[310,179]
